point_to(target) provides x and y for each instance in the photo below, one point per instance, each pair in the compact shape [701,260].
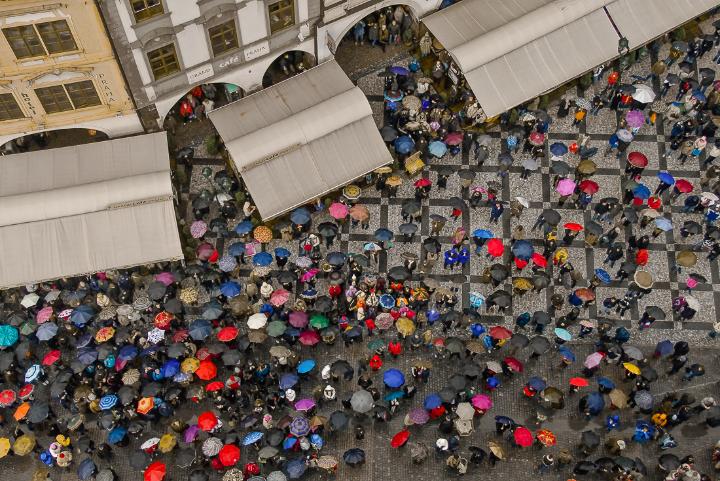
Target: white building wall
[182,11]
[126,21]
[253,25]
[192,45]
[302,10]
[142,66]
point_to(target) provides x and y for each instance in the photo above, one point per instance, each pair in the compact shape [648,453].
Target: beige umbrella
[359,212]
[386,169]
[686,258]
[496,449]
[393,181]
[643,279]
[464,427]
[412,103]
[587,167]
[465,411]
[618,398]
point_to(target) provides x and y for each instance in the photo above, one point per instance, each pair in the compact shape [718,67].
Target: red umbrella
[520,263]
[180,335]
[207,370]
[155,472]
[500,332]
[214,386]
[589,186]
[26,391]
[163,320]
[7,397]
[495,247]
[523,437]
[513,364]
[229,455]
[578,382]
[539,260]
[309,338]
[227,334]
[684,186]
[207,421]
[642,257]
[400,439]
[422,182]
[536,138]
[654,202]
[573,227]
[51,358]
[637,159]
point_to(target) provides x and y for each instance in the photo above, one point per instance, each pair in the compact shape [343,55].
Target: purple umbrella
[299,427]
[397,70]
[418,415]
[191,433]
[635,118]
[305,404]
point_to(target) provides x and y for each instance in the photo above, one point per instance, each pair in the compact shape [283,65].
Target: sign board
[256,50]
[454,73]
[201,73]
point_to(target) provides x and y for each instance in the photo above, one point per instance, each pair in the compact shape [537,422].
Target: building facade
[167,47]
[59,71]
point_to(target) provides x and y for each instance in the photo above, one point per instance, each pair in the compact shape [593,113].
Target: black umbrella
[410,207]
[354,457]
[625,463]
[499,272]
[447,394]
[139,460]
[399,273]
[501,298]
[338,420]
[471,370]
[327,229]
[431,244]
[457,382]
[551,216]
[505,158]
[590,439]
[584,467]
[286,277]
[519,340]
[668,462]
[593,227]
[323,304]
[649,373]
[457,203]
[199,475]
[126,395]
[692,227]
[541,317]
[466,174]
[232,357]
[539,345]
[605,465]
[383,235]
[388,133]
[336,258]
[360,259]
[151,389]
[39,411]
[174,306]
[185,458]
[560,167]
[176,350]
[408,228]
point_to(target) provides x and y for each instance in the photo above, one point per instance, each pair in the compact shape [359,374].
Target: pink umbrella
[635,118]
[298,319]
[481,401]
[198,229]
[565,187]
[308,275]
[338,210]
[593,360]
[44,314]
[454,138]
[309,338]
[384,320]
[279,297]
[167,278]
[305,404]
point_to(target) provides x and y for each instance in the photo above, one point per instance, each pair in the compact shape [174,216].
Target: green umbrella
[276,328]
[28,328]
[376,344]
[318,321]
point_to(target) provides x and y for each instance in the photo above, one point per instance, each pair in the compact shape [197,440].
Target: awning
[511,51]
[302,138]
[84,209]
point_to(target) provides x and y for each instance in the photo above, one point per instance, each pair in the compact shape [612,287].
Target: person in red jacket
[395,348]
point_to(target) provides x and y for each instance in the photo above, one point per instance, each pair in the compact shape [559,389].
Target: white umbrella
[693,303]
[30,300]
[52,295]
[465,411]
[257,321]
[155,336]
[644,94]
[523,202]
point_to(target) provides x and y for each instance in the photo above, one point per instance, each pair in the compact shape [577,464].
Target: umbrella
[637,159]
[500,332]
[546,438]
[418,415]
[437,148]
[565,187]
[354,456]
[155,472]
[522,437]
[388,133]
[483,234]
[8,335]
[399,439]
[495,247]
[589,187]
[338,210]
[482,402]
[522,249]
[404,144]
[383,235]
[262,234]
[632,368]
[618,398]
[643,400]
[393,378]
[684,186]
[300,216]
[665,177]
[361,401]
[563,334]
[593,360]
[583,103]
[558,149]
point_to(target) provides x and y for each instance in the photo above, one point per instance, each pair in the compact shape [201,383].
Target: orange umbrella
[104,334]
[207,370]
[263,234]
[21,411]
[546,438]
[145,405]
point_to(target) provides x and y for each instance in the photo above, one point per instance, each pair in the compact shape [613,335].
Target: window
[9,108]
[40,39]
[163,61]
[24,41]
[61,98]
[223,37]
[145,9]
[57,37]
[281,15]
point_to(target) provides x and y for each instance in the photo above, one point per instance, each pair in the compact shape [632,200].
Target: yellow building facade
[58,71]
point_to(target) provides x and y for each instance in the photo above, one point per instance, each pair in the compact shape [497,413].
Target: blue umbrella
[606,383]
[383,234]
[665,177]
[432,401]
[200,329]
[622,335]
[230,289]
[289,442]
[536,383]
[244,227]
[116,435]
[404,144]
[663,223]
[295,468]
[664,348]
[566,353]
[87,355]
[336,258]
[87,469]
[108,402]
[316,441]
[523,249]
[8,335]
[641,192]
[84,340]
[437,148]
[595,403]
[236,249]
[699,94]
[392,395]
[563,334]
[393,378]
[299,427]
[281,252]
[262,259]
[558,149]
[306,366]
[397,70]
[603,275]
[477,329]
[644,431]
[127,353]
[387,301]
[252,438]
[170,368]
[81,315]
[288,380]
[300,216]
[46,331]
[483,234]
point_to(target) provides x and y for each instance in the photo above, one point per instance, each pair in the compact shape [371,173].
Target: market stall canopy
[512,51]
[76,210]
[301,138]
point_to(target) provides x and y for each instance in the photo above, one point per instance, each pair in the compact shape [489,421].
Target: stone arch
[276,71]
[76,135]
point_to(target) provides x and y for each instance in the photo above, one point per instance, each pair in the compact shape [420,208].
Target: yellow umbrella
[352,191]
[23,445]
[497,450]
[4,447]
[167,443]
[190,365]
[561,255]
[263,234]
[393,181]
[522,284]
[386,169]
[104,334]
[631,368]
[405,326]
[189,295]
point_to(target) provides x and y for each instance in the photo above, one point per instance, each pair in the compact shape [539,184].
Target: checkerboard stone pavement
[537,189]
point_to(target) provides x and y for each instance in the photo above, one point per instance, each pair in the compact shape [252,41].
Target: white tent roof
[513,50]
[76,210]
[301,138]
